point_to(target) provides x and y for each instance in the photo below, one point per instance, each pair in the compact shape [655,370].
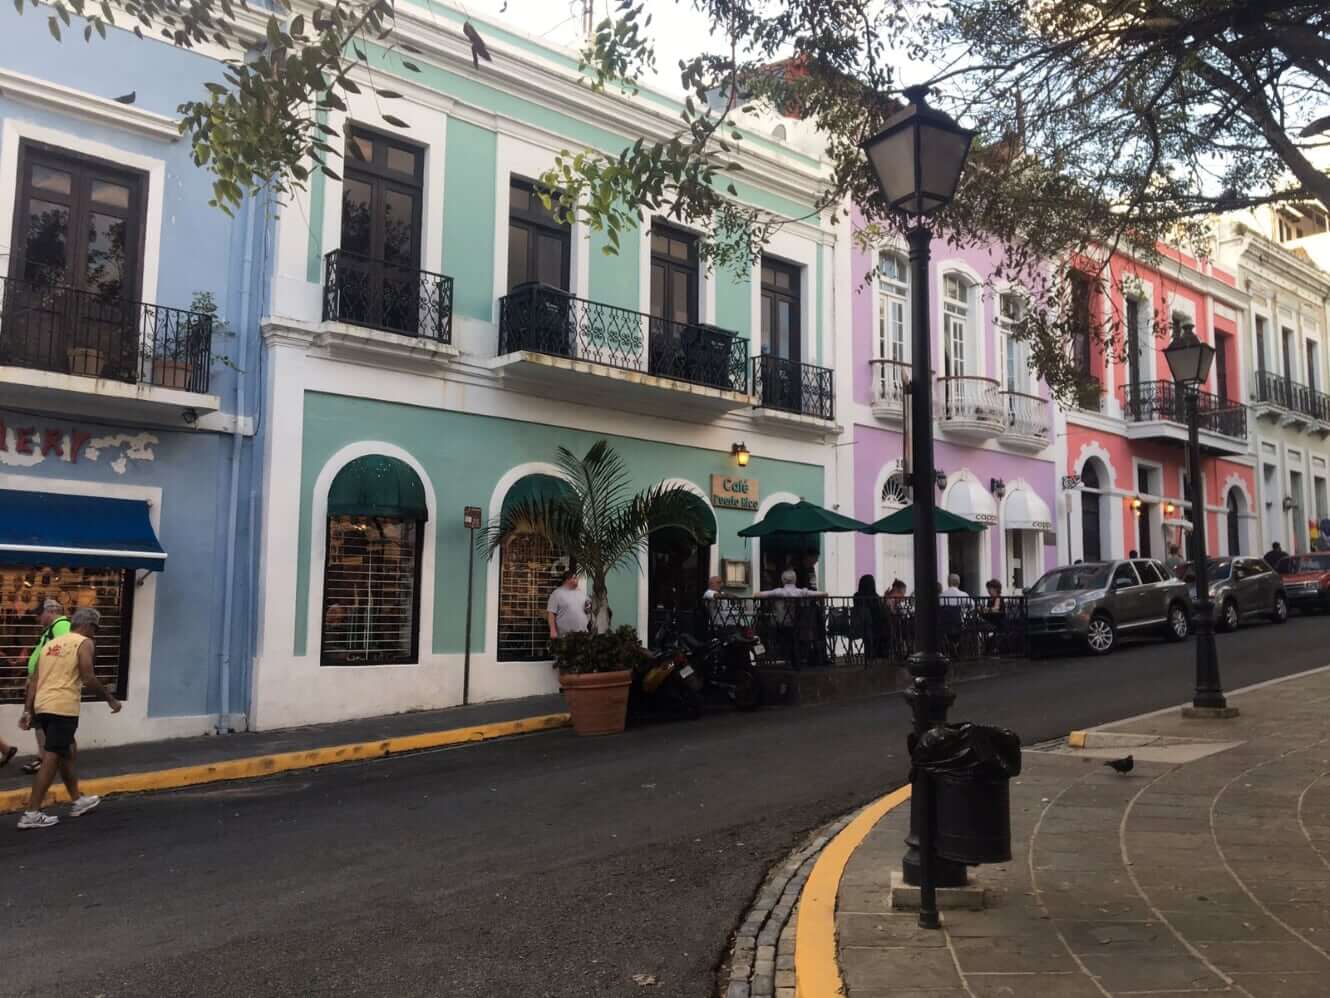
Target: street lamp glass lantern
[1189,358]
[918,157]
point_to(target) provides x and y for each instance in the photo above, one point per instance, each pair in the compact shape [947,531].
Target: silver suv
[1095,602]
[1243,589]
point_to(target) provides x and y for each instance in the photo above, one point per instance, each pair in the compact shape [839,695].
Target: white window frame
[957,311]
[893,311]
[1008,342]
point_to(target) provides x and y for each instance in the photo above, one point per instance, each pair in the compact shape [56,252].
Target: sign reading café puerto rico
[734,493]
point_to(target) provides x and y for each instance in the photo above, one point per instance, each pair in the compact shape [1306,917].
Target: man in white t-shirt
[568,608]
[713,602]
[954,590]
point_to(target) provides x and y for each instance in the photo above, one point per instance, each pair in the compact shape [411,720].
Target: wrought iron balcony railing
[890,378]
[49,326]
[1027,416]
[380,295]
[543,319]
[1150,401]
[970,402]
[792,386]
[1276,389]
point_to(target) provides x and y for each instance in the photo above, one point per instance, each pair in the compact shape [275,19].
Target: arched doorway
[1234,521]
[529,570]
[677,568]
[895,551]
[1092,548]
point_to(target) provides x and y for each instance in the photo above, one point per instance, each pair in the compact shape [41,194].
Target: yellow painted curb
[1076,739]
[816,968]
[282,762]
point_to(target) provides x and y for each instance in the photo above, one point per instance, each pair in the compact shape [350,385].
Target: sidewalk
[1206,871]
[188,761]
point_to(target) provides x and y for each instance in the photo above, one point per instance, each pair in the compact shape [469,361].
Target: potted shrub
[174,366]
[601,526]
[595,672]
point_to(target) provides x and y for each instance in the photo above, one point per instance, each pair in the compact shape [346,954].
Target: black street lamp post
[918,158]
[1189,362]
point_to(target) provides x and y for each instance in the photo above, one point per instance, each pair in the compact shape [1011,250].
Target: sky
[675,27]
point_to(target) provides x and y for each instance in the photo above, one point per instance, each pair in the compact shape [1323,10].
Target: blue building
[128,381]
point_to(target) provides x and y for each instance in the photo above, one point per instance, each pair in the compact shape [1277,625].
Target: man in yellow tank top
[55,693]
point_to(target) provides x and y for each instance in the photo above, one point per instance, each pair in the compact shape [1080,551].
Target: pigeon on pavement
[1123,765]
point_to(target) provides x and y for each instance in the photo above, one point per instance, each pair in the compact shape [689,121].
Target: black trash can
[970,766]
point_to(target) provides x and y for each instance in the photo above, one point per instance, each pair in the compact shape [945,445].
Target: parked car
[1243,589]
[1096,602]
[1307,581]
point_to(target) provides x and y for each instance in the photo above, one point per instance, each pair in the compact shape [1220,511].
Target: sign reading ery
[734,493]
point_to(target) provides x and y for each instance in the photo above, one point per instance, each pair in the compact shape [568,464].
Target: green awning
[679,537]
[902,522]
[377,485]
[533,487]
[802,518]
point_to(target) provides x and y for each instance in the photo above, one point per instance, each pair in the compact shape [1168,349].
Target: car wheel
[1177,622]
[1280,613]
[1100,637]
[1228,616]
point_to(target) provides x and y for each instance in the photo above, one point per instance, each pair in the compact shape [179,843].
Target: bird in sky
[1123,765]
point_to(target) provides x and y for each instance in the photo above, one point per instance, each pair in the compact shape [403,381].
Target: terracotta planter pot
[85,361]
[171,373]
[598,701]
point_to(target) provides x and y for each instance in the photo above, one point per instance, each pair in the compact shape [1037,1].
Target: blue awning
[47,528]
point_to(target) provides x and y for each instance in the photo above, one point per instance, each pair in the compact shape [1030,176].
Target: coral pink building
[1128,445]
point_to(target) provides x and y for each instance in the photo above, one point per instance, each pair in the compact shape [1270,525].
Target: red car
[1307,580]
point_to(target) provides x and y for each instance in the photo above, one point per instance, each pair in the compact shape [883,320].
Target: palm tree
[598,521]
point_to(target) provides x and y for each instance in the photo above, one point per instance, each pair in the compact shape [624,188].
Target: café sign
[734,493]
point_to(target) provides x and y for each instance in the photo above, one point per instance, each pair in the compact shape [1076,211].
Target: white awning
[969,499]
[1026,511]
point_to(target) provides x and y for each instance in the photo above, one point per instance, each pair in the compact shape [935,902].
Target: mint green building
[432,336]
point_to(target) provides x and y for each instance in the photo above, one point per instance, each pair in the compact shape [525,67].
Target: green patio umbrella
[802,518]
[902,522]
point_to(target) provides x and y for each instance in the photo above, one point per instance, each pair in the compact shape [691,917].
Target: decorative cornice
[90,107]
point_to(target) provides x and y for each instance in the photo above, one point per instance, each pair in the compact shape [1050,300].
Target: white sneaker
[84,804]
[37,819]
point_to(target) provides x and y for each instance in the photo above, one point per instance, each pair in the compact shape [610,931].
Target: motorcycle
[725,665]
[668,682]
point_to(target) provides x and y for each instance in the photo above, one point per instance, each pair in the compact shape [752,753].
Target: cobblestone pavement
[761,963]
[1205,871]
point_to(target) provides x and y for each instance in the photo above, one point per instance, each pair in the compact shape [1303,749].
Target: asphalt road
[542,866]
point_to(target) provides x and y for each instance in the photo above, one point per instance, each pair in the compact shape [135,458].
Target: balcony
[1157,410]
[89,353]
[1028,423]
[890,397]
[378,295]
[795,389]
[590,351]
[969,407]
[1287,403]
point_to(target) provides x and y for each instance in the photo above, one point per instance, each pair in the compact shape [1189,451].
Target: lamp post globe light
[1189,360]
[917,159]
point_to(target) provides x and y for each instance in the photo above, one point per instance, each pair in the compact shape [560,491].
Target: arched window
[956,311]
[1015,352]
[371,580]
[1234,523]
[529,570]
[1091,543]
[893,323]
[895,551]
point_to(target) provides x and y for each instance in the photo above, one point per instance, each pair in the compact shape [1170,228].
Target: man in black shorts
[55,692]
